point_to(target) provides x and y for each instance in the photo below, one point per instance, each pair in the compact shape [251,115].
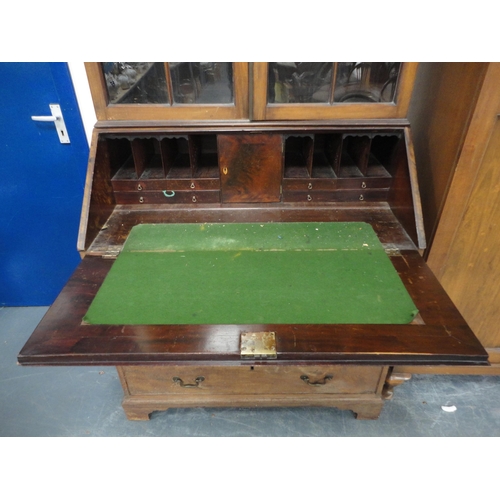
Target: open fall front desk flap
[252,273]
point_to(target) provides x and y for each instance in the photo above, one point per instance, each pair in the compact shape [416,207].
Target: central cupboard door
[331,90]
[251,167]
[169,90]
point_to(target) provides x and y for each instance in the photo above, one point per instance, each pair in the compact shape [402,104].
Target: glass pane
[366,82]
[135,82]
[202,82]
[299,82]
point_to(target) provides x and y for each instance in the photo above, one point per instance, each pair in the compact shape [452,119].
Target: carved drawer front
[255,379]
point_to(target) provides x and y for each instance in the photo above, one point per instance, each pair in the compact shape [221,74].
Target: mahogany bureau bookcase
[252,235]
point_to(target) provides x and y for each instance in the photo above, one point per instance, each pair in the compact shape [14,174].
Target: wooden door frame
[179,112]
[261,110]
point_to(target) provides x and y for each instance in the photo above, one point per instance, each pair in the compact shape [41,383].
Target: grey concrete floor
[86,401]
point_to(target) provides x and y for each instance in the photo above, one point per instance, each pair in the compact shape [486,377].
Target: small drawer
[193,184]
[345,195]
[309,184]
[253,379]
[365,183]
[167,196]
[320,184]
[138,185]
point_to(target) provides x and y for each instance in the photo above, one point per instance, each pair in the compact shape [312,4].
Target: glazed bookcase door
[331,90]
[169,90]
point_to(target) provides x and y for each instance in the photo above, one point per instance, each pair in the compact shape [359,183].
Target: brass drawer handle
[198,381]
[326,378]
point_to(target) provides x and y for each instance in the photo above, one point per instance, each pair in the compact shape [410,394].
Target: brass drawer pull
[198,381]
[305,378]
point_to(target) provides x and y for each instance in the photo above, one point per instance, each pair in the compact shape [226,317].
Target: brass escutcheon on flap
[258,345]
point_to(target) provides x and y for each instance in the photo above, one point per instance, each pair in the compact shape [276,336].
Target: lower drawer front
[258,379]
[193,196]
[339,195]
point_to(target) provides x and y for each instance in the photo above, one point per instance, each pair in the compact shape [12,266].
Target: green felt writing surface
[274,273]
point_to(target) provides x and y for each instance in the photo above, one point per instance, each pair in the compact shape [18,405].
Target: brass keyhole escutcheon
[309,197]
[194,199]
[361,197]
[224,170]
[363,185]
[139,187]
[141,200]
[192,185]
[309,186]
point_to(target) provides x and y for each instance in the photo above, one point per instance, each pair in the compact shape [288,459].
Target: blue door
[41,183]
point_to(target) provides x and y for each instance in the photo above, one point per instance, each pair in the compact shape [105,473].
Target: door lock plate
[258,345]
[57,118]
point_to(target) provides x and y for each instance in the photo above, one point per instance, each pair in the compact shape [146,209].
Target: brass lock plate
[258,345]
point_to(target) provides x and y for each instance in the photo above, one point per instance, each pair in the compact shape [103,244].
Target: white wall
[83,96]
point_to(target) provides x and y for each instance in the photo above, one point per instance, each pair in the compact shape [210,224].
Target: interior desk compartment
[155,159]
[263,175]
[163,169]
[342,166]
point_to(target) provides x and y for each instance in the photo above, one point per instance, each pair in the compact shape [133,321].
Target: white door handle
[58,120]
[44,118]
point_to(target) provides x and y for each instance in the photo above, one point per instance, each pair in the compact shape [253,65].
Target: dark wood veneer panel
[400,199]
[102,200]
[251,167]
